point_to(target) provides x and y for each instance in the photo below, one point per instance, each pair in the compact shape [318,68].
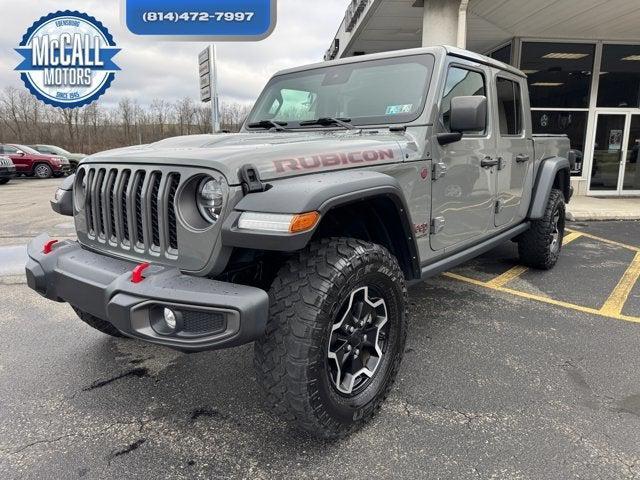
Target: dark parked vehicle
[33,163]
[7,170]
[74,158]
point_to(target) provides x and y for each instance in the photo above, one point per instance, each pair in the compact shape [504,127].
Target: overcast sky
[152,69]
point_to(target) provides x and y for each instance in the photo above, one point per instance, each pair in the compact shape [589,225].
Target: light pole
[215,106]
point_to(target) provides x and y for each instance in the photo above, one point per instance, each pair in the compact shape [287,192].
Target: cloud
[168,70]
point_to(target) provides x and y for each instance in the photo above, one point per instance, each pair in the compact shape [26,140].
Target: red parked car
[31,163]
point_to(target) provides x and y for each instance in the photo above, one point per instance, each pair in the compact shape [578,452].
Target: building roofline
[440,49]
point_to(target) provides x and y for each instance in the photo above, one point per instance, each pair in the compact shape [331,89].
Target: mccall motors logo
[68,59]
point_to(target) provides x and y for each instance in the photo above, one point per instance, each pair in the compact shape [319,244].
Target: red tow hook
[136,274]
[48,247]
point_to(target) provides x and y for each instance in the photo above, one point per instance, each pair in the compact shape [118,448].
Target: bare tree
[24,119]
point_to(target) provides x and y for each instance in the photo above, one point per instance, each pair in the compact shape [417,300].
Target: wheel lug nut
[352,329]
[348,348]
[356,352]
[364,339]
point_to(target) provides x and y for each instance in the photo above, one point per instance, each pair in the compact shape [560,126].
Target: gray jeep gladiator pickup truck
[349,180]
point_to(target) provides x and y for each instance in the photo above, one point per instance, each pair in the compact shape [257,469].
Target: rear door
[463,190]
[514,148]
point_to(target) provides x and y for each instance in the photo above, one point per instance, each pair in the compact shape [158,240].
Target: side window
[9,150]
[509,106]
[460,83]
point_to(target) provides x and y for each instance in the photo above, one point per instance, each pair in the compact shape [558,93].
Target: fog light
[170,319]
[164,320]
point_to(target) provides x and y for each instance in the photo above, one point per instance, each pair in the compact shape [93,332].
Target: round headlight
[211,198]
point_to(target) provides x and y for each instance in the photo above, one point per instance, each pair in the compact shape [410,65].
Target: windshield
[28,150]
[52,149]
[374,92]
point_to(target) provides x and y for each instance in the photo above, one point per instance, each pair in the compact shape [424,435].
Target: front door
[608,153]
[631,159]
[515,169]
[462,194]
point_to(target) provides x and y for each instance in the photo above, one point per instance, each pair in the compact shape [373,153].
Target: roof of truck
[442,49]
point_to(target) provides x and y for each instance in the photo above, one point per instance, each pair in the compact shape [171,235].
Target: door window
[460,83]
[607,153]
[9,150]
[509,107]
[632,166]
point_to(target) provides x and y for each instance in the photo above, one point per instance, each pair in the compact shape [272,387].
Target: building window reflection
[619,84]
[559,74]
[572,124]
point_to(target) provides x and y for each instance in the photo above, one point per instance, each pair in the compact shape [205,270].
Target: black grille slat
[111,186]
[126,174]
[89,202]
[171,210]
[139,236]
[155,210]
[99,203]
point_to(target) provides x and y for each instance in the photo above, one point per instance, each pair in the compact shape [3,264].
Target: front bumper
[225,314]
[8,172]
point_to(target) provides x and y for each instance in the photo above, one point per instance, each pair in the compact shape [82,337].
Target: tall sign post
[209,83]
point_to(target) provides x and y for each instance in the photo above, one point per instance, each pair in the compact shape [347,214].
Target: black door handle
[488,162]
[522,158]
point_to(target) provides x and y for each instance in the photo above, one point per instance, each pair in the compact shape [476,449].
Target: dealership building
[582,58]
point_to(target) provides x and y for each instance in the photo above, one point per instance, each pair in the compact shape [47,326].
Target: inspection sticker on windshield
[201,19]
[397,109]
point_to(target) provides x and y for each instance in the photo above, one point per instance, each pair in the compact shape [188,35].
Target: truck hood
[275,155]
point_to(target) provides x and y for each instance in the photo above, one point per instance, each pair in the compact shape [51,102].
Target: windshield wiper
[269,124]
[328,121]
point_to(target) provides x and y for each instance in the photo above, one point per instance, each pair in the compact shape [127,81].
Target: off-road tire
[98,324]
[305,298]
[42,170]
[535,245]
[4,181]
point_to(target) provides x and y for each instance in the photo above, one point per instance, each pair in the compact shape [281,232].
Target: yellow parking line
[571,237]
[606,240]
[617,299]
[507,276]
[539,298]
[515,272]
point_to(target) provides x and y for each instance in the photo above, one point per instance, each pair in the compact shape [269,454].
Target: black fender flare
[545,179]
[318,192]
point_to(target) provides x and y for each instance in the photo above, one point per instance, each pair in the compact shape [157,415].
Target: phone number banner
[231,20]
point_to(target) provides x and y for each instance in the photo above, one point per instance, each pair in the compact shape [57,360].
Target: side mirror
[467,114]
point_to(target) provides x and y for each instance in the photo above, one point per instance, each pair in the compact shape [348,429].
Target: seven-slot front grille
[133,209]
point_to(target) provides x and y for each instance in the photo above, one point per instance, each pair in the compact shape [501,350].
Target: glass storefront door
[631,172]
[615,169]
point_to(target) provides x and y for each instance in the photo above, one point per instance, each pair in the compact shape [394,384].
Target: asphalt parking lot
[508,373]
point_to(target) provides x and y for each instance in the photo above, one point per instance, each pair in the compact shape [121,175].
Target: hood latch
[250,179]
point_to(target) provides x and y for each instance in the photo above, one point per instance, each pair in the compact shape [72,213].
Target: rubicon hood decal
[332,160]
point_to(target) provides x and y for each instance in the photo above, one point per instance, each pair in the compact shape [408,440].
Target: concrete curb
[582,208]
[585,216]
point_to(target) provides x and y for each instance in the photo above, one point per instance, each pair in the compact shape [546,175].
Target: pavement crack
[204,412]
[126,450]
[135,372]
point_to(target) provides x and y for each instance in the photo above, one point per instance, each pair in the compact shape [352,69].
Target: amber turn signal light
[304,222]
